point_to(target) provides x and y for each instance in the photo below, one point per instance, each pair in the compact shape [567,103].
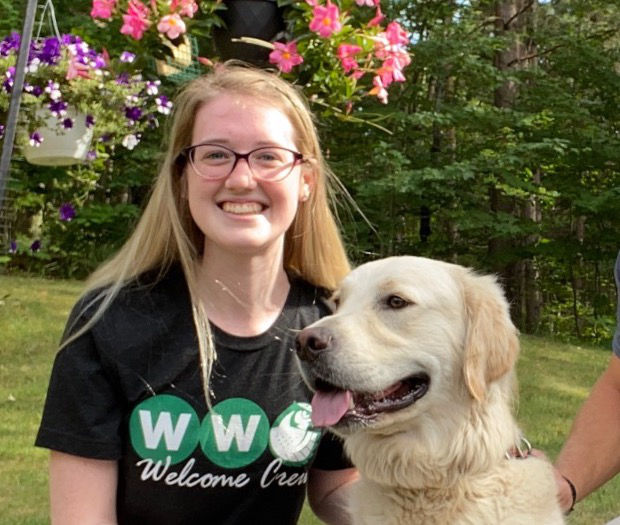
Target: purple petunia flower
[9,79]
[53,89]
[152,87]
[67,123]
[133,113]
[35,246]
[91,155]
[35,139]
[10,43]
[58,108]
[123,79]
[13,247]
[127,57]
[163,104]
[66,212]
[36,91]
[90,121]
[50,51]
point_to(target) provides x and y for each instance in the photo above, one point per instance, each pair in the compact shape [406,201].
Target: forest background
[501,151]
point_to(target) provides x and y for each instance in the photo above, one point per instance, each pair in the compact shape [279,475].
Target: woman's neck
[243,295]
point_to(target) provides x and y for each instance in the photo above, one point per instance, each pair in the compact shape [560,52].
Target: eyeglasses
[213,161]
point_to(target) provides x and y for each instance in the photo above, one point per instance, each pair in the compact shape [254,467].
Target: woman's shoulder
[307,295]
[154,289]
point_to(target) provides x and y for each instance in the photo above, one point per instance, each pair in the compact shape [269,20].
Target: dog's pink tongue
[329,407]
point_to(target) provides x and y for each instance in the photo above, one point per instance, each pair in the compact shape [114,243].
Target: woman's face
[240,213]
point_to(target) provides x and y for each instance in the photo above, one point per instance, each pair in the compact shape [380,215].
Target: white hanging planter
[61,147]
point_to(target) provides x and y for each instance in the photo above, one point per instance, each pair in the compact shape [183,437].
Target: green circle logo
[234,433]
[292,438]
[164,426]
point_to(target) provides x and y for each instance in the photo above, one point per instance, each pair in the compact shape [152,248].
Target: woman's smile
[242,208]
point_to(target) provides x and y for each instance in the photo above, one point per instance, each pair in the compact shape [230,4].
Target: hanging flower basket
[57,145]
[112,104]
[338,50]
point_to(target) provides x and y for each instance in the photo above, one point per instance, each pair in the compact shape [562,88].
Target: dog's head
[407,334]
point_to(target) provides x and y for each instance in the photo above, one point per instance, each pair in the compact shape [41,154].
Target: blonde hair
[166,233]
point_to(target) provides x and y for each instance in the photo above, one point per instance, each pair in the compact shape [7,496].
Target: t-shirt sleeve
[330,455]
[82,413]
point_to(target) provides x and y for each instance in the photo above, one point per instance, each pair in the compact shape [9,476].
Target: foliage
[461,176]
[105,207]
[554,380]
[526,186]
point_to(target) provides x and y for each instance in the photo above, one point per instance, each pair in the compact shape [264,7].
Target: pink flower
[136,21]
[326,20]
[379,16]
[379,90]
[172,26]
[369,3]
[346,52]
[396,35]
[313,3]
[390,71]
[285,56]
[76,69]
[102,9]
[188,7]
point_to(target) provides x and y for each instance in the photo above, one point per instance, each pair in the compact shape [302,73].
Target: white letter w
[225,434]
[172,436]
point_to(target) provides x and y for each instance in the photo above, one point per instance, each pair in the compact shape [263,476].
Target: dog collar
[517,452]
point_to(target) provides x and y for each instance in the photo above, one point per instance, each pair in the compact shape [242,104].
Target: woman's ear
[308,180]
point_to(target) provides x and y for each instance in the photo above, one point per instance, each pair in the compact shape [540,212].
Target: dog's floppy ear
[491,344]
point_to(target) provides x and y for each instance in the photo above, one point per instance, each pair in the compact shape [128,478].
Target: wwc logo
[233,434]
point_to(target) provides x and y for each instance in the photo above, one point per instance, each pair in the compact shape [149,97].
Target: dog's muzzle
[311,342]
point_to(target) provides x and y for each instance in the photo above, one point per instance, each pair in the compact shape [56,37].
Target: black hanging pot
[251,18]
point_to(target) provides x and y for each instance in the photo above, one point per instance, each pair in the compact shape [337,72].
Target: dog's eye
[396,302]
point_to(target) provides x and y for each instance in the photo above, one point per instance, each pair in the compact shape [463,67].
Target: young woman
[175,397]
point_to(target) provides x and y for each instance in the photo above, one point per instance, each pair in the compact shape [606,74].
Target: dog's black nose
[310,342]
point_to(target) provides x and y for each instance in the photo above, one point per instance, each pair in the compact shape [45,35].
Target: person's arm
[590,455]
[327,491]
[82,490]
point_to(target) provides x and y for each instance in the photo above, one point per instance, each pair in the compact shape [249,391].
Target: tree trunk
[518,275]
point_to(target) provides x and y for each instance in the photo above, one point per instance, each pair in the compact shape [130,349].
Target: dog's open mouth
[332,405]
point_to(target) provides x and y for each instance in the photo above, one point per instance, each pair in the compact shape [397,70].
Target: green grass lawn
[554,380]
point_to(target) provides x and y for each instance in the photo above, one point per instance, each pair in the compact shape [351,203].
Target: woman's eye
[269,157]
[216,155]
[396,302]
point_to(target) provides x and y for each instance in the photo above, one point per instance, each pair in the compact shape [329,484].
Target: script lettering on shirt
[283,479]
[156,470]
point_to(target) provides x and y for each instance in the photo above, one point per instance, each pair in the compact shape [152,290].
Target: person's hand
[564,491]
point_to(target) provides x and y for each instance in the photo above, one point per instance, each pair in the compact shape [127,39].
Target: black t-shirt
[130,389]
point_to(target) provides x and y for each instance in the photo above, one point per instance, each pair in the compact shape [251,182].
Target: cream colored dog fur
[415,370]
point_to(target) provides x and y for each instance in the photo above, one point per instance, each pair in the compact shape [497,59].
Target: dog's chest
[372,504]
[488,502]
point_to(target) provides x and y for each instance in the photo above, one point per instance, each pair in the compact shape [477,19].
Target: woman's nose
[241,176]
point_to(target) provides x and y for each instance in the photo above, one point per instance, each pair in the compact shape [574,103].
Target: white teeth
[242,208]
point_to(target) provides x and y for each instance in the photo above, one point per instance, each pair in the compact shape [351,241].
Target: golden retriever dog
[415,370]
